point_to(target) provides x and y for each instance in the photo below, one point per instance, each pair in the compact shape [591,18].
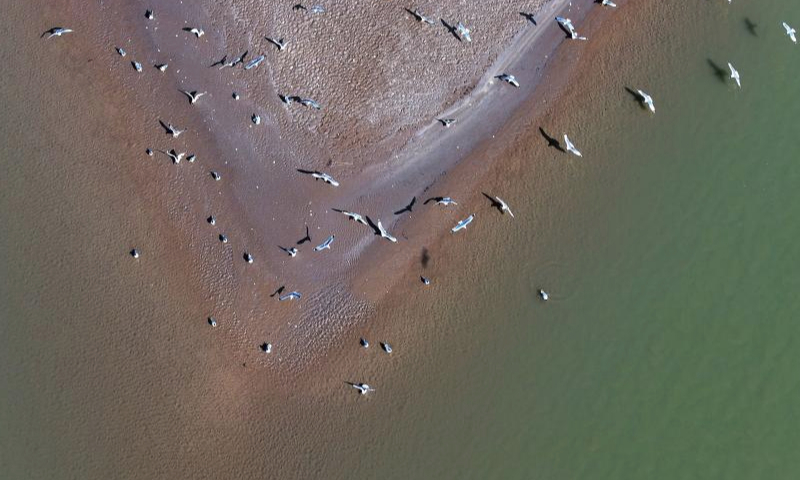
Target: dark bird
[407,208]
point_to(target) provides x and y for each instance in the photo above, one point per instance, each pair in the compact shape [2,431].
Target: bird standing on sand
[198,32]
[510,79]
[56,32]
[352,215]
[278,42]
[290,296]
[135,253]
[571,147]
[291,251]
[385,234]
[790,31]
[120,51]
[162,67]
[647,100]
[193,95]
[325,245]
[463,223]
[216,176]
[137,66]
[148,14]
[735,75]
[247,257]
[422,18]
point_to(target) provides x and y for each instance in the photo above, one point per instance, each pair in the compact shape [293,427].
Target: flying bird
[609,3]
[352,215]
[291,251]
[422,18]
[171,129]
[499,204]
[790,31]
[193,95]
[278,42]
[407,208]
[320,176]
[175,156]
[463,223]
[385,234]
[324,245]
[305,239]
[571,147]
[647,100]
[735,75]
[254,62]
[56,32]
[441,201]
[307,102]
[567,25]
[510,79]
[463,32]
[290,296]
[362,388]
[198,32]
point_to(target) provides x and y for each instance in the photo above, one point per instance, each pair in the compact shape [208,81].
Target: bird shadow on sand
[750,26]
[529,17]
[551,141]
[425,258]
[165,127]
[408,208]
[373,225]
[278,291]
[495,203]
[719,72]
[451,29]
[565,30]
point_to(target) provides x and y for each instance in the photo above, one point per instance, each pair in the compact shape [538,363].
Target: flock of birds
[463,34]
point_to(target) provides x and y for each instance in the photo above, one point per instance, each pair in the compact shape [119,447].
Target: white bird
[325,178]
[256,119]
[137,66]
[790,31]
[247,257]
[175,156]
[278,42]
[511,79]
[149,15]
[735,75]
[362,388]
[463,223]
[543,294]
[193,95]
[442,201]
[191,158]
[216,176]
[385,234]
[135,253]
[171,129]
[364,343]
[162,67]
[291,296]
[503,206]
[212,220]
[447,121]
[422,18]
[307,102]
[56,32]
[463,31]
[223,238]
[566,23]
[212,321]
[120,51]
[647,100]
[571,146]
[386,347]
[352,215]
[266,347]
[324,245]
[198,32]
[291,251]
[254,62]
[609,3]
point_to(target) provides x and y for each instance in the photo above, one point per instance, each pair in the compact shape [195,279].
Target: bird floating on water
[647,100]
[290,250]
[56,32]
[510,79]
[254,62]
[194,95]
[790,31]
[362,388]
[463,223]
[544,296]
[441,201]
[290,296]
[278,42]
[198,32]
[735,75]
[385,234]
[422,18]
[571,146]
[325,245]
[352,215]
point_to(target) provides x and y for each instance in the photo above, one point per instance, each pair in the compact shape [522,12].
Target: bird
[441,201]
[307,102]
[463,223]
[325,178]
[325,245]
[385,234]
[236,61]
[463,32]
[408,207]
[175,156]
[191,158]
[509,78]
[422,18]
[198,32]
[543,295]
[425,280]
[137,66]
[212,321]
[247,257]
[790,31]
[290,296]
[317,9]
[609,3]
[235,96]
[352,215]
[254,62]
[567,25]
[500,204]
[56,32]
[735,75]
[148,14]
[571,146]
[386,347]
[216,176]
[193,95]
[305,239]
[162,67]
[266,347]
[363,342]
[362,388]
[290,250]
[278,42]
[120,51]
[212,220]
[171,129]
[134,253]
[223,238]
[447,121]
[256,119]
[647,100]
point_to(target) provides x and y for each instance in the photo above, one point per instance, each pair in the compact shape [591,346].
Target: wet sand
[106,197]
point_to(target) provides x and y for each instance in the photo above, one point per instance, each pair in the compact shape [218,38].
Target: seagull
[385,234]
[735,75]
[162,67]
[254,62]
[463,223]
[609,3]
[500,204]
[566,23]
[352,215]
[256,119]
[571,146]
[317,9]
[135,253]
[307,102]
[363,342]
[543,294]
[291,251]
[149,14]
[441,201]
[212,220]
[447,121]
[193,95]
[223,238]
[511,79]
[408,207]
[216,176]
[425,280]
[305,239]
[236,61]
[325,244]
[422,18]
[647,100]
[198,32]
[362,388]
[290,296]
[278,42]
[171,130]
[175,156]
[386,347]
[325,178]
[266,347]
[212,321]
[120,51]
[137,66]
[191,158]
[790,31]
[463,32]
[247,257]
[56,32]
